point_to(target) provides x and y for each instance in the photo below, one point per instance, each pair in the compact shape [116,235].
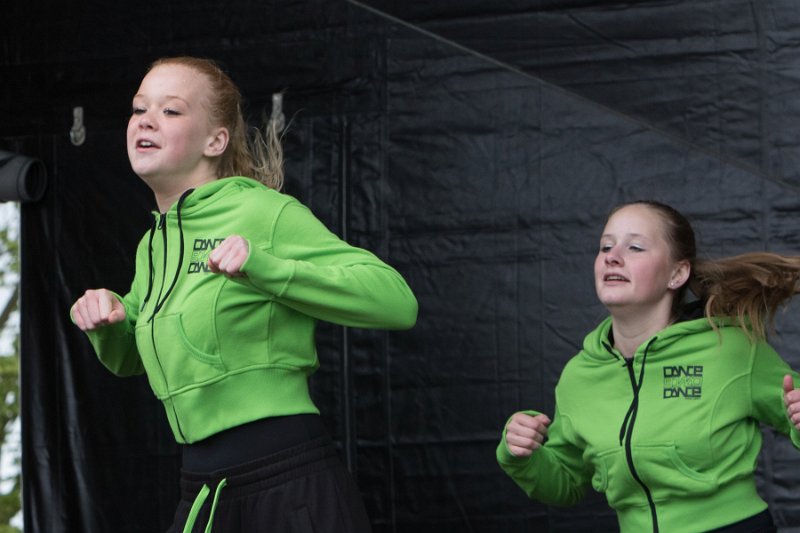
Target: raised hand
[791,398]
[526,433]
[97,308]
[228,257]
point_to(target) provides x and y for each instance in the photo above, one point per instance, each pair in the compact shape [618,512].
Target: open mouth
[145,144]
[614,277]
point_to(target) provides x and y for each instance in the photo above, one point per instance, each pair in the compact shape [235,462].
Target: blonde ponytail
[749,287]
[267,156]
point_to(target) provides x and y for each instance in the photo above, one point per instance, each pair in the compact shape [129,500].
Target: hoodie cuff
[795,436]
[266,272]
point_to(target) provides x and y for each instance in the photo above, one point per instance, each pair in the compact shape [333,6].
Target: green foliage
[9,507]
[10,503]
[9,412]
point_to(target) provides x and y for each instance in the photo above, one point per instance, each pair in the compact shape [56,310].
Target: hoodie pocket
[172,361]
[660,467]
[600,477]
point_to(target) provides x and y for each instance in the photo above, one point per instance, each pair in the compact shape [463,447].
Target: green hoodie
[221,351]
[671,436]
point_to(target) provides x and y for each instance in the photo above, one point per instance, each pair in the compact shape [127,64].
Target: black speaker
[22,179]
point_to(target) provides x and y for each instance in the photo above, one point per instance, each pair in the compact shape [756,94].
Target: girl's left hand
[791,397]
[228,257]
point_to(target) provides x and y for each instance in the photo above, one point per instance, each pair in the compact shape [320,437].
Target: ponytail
[267,156]
[749,287]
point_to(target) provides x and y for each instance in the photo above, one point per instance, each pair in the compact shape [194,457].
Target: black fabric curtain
[477,149]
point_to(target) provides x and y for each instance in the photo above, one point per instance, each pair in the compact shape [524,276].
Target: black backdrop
[477,149]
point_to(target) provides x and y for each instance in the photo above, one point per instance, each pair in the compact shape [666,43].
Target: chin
[139,172]
[611,303]
[610,299]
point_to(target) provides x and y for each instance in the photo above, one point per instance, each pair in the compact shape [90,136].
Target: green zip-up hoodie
[221,351]
[671,436]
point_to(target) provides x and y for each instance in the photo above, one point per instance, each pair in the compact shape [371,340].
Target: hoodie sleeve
[554,474]
[115,344]
[766,390]
[311,270]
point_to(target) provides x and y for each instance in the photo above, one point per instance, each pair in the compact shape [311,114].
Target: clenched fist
[791,398]
[228,257]
[526,433]
[97,308]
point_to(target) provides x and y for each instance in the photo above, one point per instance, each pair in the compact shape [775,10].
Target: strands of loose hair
[749,288]
[267,150]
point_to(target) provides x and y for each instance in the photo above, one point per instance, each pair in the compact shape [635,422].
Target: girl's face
[634,267]
[169,132]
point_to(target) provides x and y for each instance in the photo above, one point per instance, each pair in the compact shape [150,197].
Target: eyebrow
[609,235]
[166,97]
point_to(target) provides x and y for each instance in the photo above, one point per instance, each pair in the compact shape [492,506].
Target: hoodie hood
[208,194]
[598,345]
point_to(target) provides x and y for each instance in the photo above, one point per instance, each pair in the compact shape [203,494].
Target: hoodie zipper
[160,301]
[626,431]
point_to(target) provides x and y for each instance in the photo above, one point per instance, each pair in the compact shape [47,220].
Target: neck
[165,201]
[167,192]
[632,329]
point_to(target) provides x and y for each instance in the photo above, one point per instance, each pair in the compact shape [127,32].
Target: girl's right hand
[526,433]
[97,308]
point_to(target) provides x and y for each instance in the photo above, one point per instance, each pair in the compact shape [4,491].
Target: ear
[217,142]
[680,274]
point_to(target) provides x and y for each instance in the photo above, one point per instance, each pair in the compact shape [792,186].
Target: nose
[145,121]
[612,258]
